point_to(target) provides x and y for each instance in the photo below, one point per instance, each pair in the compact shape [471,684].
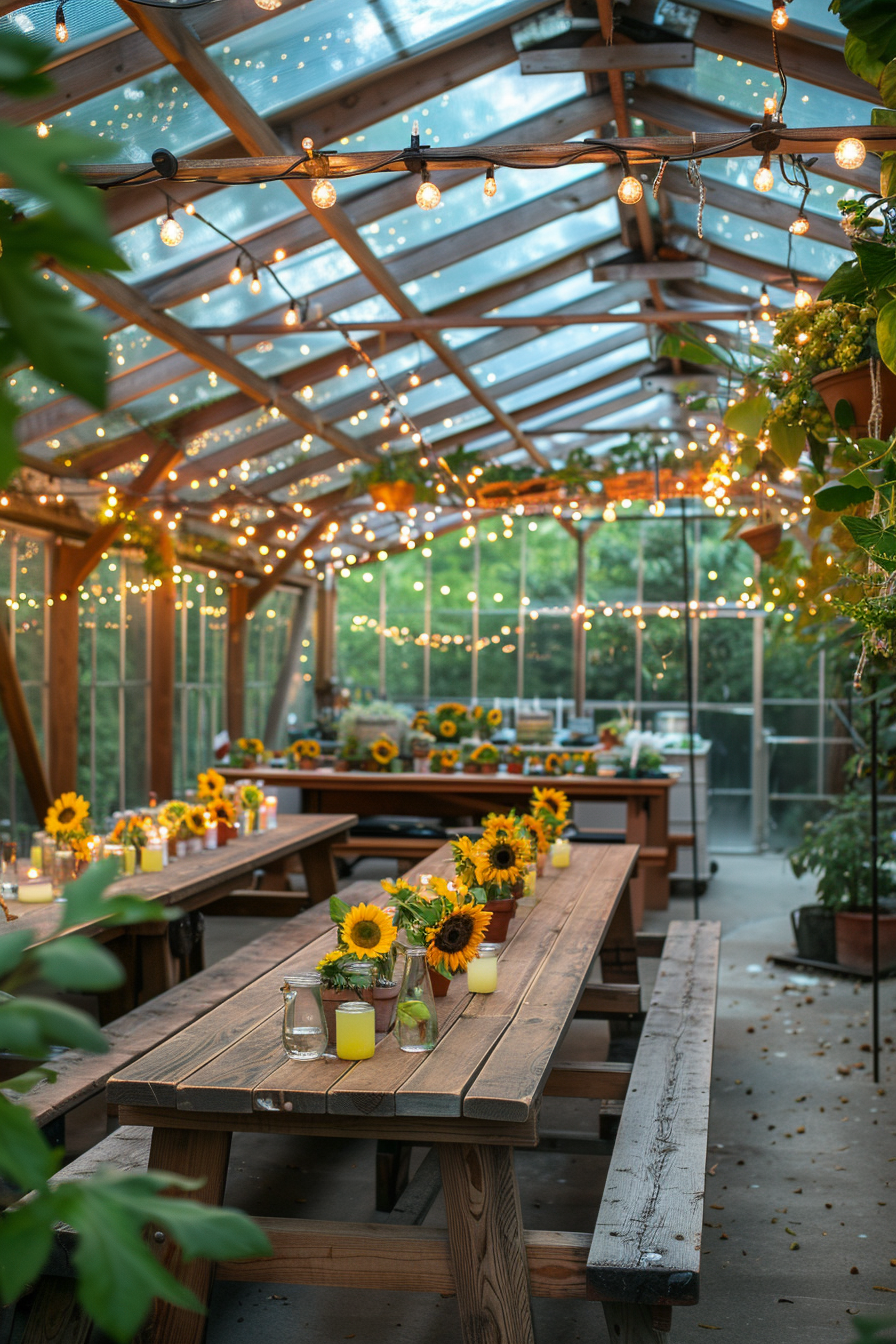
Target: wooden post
[289,676]
[236,659]
[161,682]
[21,729]
[62,717]
[578,629]
[325,639]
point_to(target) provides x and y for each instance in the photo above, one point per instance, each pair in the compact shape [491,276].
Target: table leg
[393,1166]
[488,1254]
[631,1323]
[656,880]
[320,871]
[618,954]
[198,1154]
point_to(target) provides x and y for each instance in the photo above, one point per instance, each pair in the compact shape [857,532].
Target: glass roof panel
[822,200]
[88,22]
[760,241]
[720,79]
[159,108]
[570,379]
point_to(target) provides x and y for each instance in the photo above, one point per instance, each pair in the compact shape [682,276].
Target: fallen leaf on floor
[878,1289]
[717,1206]
[794,1245]
[708,1327]
[786,1299]
[854,1270]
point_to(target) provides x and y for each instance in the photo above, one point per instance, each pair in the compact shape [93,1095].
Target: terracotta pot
[341,766]
[764,538]
[383,998]
[853,932]
[223,834]
[308,763]
[502,913]
[470,769]
[440,983]
[396,495]
[514,767]
[855,387]
[447,770]
[489,768]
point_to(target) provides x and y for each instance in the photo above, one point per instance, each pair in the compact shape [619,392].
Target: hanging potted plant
[393,482]
[763,537]
[366,935]
[837,850]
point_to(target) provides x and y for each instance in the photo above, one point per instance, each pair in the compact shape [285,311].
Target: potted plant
[442,760]
[173,817]
[223,814]
[837,850]
[451,722]
[306,753]
[246,752]
[380,755]
[489,722]
[393,482]
[365,936]
[196,825]
[482,760]
[420,744]
[515,760]
[495,865]
[550,807]
[448,919]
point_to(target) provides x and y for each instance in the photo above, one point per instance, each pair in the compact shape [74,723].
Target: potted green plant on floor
[837,850]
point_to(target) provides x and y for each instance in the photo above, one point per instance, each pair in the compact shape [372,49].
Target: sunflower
[420,723]
[222,809]
[553,763]
[306,748]
[501,824]
[554,800]
[494,718]
[477,712]
[398,887]
[448,728]
[464,857]
[367,931]
[211,784]
[499,859]
[196,820]
[537,832]
[454,942]
[336,955]
[68,813]
[383,750]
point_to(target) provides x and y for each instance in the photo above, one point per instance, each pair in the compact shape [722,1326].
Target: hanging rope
[699,185]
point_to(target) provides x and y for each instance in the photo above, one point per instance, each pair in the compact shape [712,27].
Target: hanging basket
[396,496]
[855,387]
[764,538]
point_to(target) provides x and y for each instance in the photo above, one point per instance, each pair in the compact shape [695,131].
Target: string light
[770,105]
[630,191]
[323,194]
[428,194]
[269,5]
[850,153]
[235,275]
[491,186]
[764,178]
[780,17]
[800,225]
[802,299]
[171,232]
[290,317]
[280,254]
[43,129]
[255,284]
[414,380]
[764,298]
[61,26]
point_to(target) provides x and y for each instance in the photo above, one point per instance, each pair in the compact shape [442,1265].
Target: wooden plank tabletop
[577,787]
[185,880]
[493,1054]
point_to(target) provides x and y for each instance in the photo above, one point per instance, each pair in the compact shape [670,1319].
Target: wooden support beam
[186,53]
[161,684]
[289,677]
[325,639]
[62,697]
[678,271]
[235,676]
[592,60]
[579,669]
[21,729]
[602,1081]
[618,272]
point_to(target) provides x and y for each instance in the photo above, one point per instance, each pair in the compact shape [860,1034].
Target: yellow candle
[37,857]
[130,860]
[150,859]
[482,974]
[560,854]
[355,1037]
[35,893]
[529,880]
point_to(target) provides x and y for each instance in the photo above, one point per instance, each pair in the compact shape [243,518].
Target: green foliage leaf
[411,1011]
[26,1238]
[787,441]
[85,901]
[338,909]
[31,1027]
[26,1158]
[691,350]
[844,415]
[58,339]
[12,948]
[36,166]
[888,174]
[855,53]
[886,333]
[23,1082]
[886,82]
[78,963]
[747,417]
[847,284]
[818,452]
[871,536]
[877,263]
[9,413]
[872,22]
[836,496]
[20,63]
[47,235]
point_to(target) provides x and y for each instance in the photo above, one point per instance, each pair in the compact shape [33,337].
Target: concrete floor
[800,1234]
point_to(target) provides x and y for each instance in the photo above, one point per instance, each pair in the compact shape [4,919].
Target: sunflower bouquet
[305,752]
[173,817]
[490,722]
[68,822]
[551,808]
[210,784]
[222,810]
[557,763]
[448,919]
[483,759]
[247,751]
[131,830]
[450,722]
[381,753]
[365,934]
[442,760]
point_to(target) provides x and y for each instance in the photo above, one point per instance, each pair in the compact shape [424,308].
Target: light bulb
[630,191]
[190,208]
[307,392]
[770,105]
[491,185]
[428,195]
[43,130]
[171,232]
[384,421]
[802,299]
[235,275]
[255,284]
[269,5]
[764,179]
[850,153]
[61,28]
[323,194]
[280,254]
[404,427]
[800,225]
[342,370]
[780,17]
[764,298]
[414,380]
[290,317]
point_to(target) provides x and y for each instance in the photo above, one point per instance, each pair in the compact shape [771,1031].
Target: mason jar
[304,1024]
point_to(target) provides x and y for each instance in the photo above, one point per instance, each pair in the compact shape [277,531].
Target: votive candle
[33,891]
[151,858]
[355,1034]
[560,854]
[482,972]
[271,804]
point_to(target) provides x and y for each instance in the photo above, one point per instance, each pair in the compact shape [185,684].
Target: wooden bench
[405,849]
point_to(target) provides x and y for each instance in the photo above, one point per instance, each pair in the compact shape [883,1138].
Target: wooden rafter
[21,729]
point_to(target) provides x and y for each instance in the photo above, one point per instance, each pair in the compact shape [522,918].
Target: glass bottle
[304,1024]
[9,872]
[416,1024]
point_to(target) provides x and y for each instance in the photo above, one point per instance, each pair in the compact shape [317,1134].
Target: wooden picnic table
[476,1096]
[191,883]
[460,795]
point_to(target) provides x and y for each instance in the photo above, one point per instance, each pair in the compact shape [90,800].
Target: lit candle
[560,854]
[355,1036]
[130,860]
[529,879]
[211,832]
[37,857]
[152,857]
[33,891]
[482,973]
[271,803]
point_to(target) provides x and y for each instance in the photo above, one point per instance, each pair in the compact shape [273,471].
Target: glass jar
[482,972]
[304,1024]
[355,1030]
[560,852]
[9,872]
[416,1023]
[37,850]
[63,871]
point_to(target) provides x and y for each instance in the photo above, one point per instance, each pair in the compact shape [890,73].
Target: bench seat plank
[646,1245]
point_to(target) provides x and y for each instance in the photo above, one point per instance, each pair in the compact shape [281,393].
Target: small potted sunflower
[450,722]
[515,760]
[442,925]
[495,864]
[380,754]
[551,808]
[442,760]
[489,723]
[247,751]
[173,822]
[67,823]
[483,760]
[365,935]
[197,826]
[223,815]
[306,753]
[420,744]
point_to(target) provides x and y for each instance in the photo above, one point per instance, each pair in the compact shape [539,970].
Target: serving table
[192,883]
[476,1096]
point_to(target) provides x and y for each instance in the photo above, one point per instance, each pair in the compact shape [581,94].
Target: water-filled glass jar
[304,1024]
[416,1023]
